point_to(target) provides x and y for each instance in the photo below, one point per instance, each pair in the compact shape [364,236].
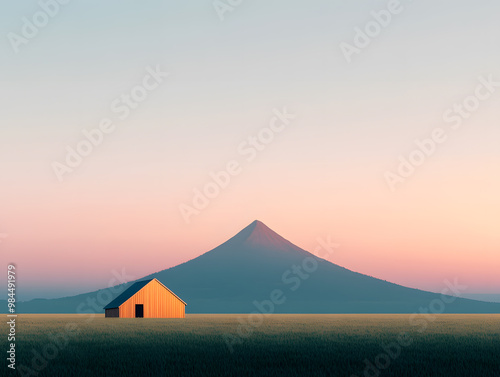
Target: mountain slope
[257,264]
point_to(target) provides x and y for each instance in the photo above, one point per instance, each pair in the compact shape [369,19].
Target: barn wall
[158,303]
[112,313]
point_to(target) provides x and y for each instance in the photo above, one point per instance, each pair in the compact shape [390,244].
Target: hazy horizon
[123,276]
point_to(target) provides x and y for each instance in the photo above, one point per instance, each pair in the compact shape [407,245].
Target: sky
[205,82]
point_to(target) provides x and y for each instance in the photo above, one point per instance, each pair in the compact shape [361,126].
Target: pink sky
[72,237]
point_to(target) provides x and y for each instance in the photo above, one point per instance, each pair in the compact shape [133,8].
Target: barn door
[139,311]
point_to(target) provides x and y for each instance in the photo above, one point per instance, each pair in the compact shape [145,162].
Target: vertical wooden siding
[158,302]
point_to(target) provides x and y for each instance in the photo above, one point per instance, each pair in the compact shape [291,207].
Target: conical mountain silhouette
[258,235]
[258,263]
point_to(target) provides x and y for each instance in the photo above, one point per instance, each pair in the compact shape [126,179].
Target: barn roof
[129,292]
[132,290]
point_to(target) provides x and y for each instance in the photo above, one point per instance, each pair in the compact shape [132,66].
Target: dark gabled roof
[132,290]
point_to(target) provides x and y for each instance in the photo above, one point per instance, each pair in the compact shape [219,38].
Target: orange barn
[146,299]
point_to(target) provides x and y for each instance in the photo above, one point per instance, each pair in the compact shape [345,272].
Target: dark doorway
[139,311]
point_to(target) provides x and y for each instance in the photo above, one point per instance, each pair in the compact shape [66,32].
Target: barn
[146,299]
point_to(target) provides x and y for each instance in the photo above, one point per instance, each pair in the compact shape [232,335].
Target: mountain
[257,265]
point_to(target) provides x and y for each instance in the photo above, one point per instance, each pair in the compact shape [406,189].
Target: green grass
[283,345]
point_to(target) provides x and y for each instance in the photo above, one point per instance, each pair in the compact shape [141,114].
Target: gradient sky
[323,175]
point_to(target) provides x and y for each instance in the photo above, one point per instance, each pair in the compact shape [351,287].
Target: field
[278,345]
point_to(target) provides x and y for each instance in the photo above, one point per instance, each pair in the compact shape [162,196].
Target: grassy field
[282,345]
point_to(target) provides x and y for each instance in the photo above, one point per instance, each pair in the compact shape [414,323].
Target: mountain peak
[258,234]
[258,225]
